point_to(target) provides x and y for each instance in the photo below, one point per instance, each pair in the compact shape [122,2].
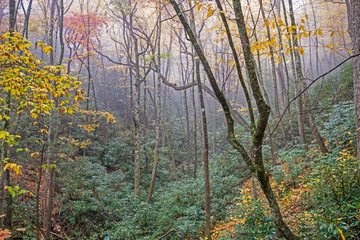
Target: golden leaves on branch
[13,166]
[9,138]
[108,116]
[75,143]
[35,154]
[34,86]
[291,33]
[89,127]
[209,10]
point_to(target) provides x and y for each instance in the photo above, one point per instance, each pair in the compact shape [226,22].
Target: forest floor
[292,202]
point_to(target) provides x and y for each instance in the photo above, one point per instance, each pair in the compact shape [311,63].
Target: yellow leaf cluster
[29,83]
[95,114]
[89,127]
[13,166]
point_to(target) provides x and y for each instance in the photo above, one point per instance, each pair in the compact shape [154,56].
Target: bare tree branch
[302,92]
[171,231]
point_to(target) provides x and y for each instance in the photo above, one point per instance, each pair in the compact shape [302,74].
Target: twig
[172,17]
[111,60]
[57,235]
[237,184]
[170,231]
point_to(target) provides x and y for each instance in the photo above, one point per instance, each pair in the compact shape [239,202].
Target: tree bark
[5,151]
[194,73]
[49,207]
[60,8]
[158,111]
[173,161]
[195,131]
[137,122]
[205,152]
[3,6]
[25,32]
[355,37]
[273,72]
[37,194]
[50,34]
[214,131]
[301,83]
[205,157]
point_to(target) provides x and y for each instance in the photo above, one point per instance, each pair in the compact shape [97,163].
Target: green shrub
[335,195]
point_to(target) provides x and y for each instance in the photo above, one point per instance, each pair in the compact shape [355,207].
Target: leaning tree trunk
[258,136]
[261,81]
[255,159]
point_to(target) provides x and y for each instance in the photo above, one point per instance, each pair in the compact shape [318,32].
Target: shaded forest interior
[169,119]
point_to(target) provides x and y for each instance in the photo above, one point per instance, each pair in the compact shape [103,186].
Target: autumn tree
[31,86]
[137,36]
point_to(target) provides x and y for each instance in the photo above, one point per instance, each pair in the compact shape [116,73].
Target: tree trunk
[255,161]
[195,67]
[205,152]
[188,137]
[214,130]
[195,130]
[158,112]
[60,8]
[302,85]
[298,79]
[49,207]
[5,151]
[50,34]
[3,6]
[25,32]
[300,117]
[205,156]
[316,39]
[173,161]
[273,73]
[355,37]
[285,90]
[137,123]
[37,194]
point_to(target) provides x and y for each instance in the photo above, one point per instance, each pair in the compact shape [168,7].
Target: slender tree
[301,84]
[254,160]
[354,26]
[157,109]
[5,151]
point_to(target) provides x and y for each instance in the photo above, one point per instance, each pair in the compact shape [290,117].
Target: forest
[180,119]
